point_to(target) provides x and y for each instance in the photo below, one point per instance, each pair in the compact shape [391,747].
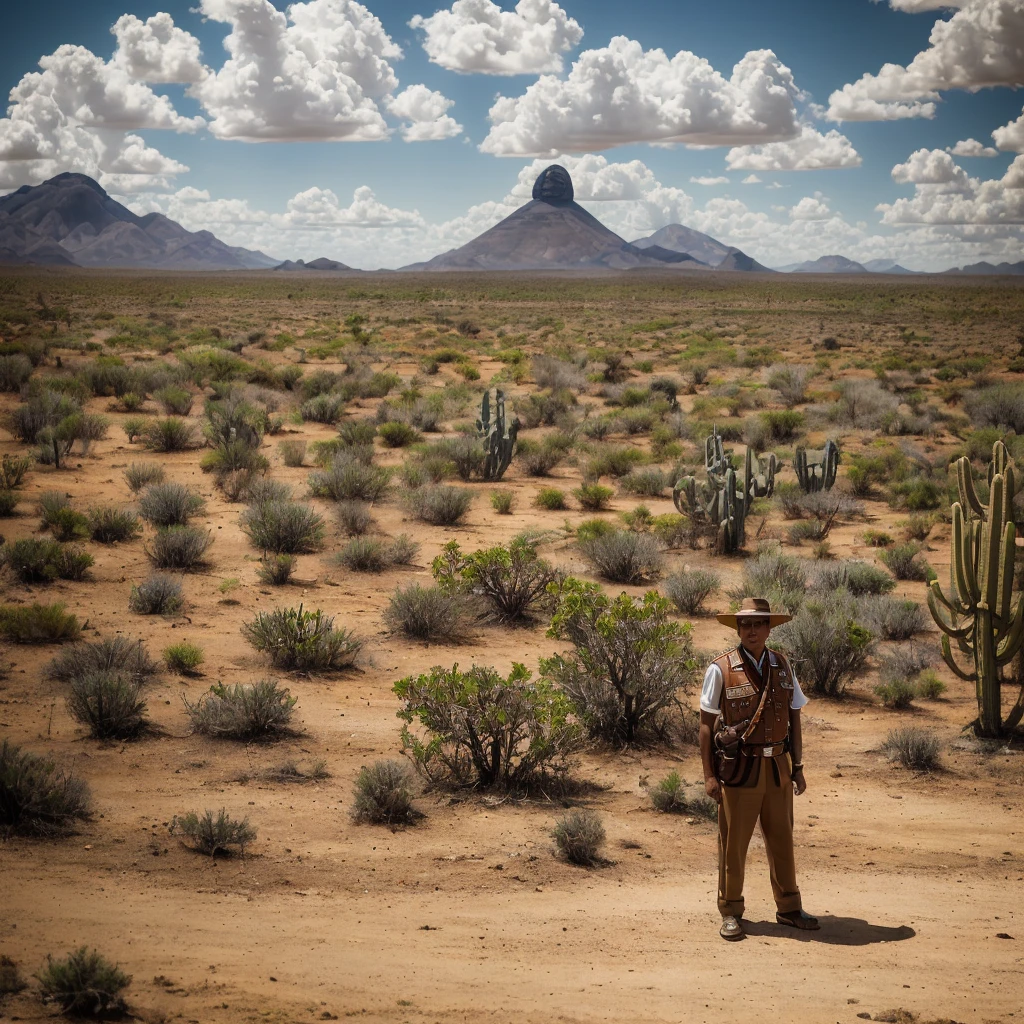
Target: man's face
[753,631]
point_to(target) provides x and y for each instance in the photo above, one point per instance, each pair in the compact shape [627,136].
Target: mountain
[71,220]
[886,267]
[988,268]
[678,238]
[551,232]
[737,260]
[828,265]
[321,264]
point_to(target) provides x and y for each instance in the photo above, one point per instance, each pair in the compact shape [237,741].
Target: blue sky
[388,201]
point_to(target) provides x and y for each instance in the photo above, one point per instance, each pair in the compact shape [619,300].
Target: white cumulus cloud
[709,181]
[810,208]
[751,179]
[933,167]
[809,151]
[916,6]
[425,114]
[623,94]
[478,36]
[156,50]
[971,147]
[311,75]
[981,46]
[1011,136]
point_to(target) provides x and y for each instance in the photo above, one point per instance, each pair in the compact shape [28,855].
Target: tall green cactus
[719,502]
[816,468]
[980,615]
[499,438]
[759,482]
[715,460]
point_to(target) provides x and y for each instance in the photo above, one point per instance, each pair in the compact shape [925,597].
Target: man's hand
[713,788]
[799,782]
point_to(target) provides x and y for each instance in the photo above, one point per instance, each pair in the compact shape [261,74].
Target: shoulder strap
[749,731]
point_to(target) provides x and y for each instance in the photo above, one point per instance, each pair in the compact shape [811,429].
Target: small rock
[1003,935]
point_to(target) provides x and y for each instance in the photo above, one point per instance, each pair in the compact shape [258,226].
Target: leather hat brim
[774,618]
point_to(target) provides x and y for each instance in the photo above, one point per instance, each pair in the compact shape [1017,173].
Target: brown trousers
[739,811]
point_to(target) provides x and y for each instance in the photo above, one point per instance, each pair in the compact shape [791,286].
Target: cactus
[499,439]
[816,469]
[719,502]
[759,483]
[980,615]
[715,460]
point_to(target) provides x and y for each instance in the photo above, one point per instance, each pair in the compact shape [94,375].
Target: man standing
[749,721]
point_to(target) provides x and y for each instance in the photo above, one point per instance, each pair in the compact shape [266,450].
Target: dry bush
[170,435]
[180,547]
[893,618]
[111,655]
[579,836]
[293,453]
[109,703]
[347,478]
[142,474]
[688,589]
[243,712]
[84,983]
[440,504]
[170,504]
[113,525]
[212,834]
[383,794]
[283,527]
[913,748]
[277,570]
[37,798]
[624,556]
[430,614]
[157,595]
[354,517]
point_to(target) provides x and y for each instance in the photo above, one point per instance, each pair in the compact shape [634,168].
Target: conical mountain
[551,232]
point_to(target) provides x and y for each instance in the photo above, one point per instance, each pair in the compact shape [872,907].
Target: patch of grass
[37,798]
[276,570]
[397,434]
[212,834]
[503,502]
[580,836]
[184,657]
[593,497]
[293,453]
[243,712]
[364,554]
[38,624]
[914,748]
[84,983]
[383,794]
[671,796]
[550,498]
[180,547]
[170,435]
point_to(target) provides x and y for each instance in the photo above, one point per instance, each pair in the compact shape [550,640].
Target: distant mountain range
[322,264]
[71,221]
[988,268]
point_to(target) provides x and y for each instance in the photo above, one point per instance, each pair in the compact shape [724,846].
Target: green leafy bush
[397,435]
[550,498]
[383,794]
[212,834]
[629,661]
[503,502]
[184,657]
[485,730]
[579,836]
[38,624]
[84,983]
[37,798]
[243,712]
[109,703]
[302,640]
[593,497]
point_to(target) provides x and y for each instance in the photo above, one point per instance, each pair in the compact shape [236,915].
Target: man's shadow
[836,931]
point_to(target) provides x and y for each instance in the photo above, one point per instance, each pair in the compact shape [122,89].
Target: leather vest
[741,693]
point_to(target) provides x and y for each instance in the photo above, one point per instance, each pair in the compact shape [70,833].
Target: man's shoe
[731,929]
[798,919]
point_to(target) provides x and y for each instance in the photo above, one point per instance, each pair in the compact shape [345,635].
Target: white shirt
[711,691]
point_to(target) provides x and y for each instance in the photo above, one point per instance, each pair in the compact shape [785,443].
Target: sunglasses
[754,623]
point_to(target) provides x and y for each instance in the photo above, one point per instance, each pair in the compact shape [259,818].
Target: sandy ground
[469,915]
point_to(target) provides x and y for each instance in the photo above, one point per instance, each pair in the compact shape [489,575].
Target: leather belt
[770,751]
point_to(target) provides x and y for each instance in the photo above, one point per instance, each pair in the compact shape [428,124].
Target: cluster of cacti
[715,460]
[719,501]
[499,438]
[980,614]
[759,483]
[816,468]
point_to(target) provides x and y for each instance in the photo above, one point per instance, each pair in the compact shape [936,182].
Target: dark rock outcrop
[322,264]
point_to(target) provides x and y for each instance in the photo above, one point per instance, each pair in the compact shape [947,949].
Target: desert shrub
[51,504]
[170,435]
[431,614]
[859,578]
[68,524]
[13,469]
[276,570]
[897,694]
[397,435]
[636,421]
[261,491]
[84,983]
[36,796]
[440,504]
[110,656]
[383,794]
[513,580]
[34,560]
[357,433]
[688,589]
[364,554]
[242,712]
[628,662]
[782,425]
[346,478]
[354,517]
[645,483]
[916,494]
[235,484]
[8,503]
[175,401]
[134,426]
[913,748]
[550,498]
[540,408]
[830,647]
[779,578]
[623,556]
[789,381]
[930,686]
[109,703]
[179,547]
[862,403]
[14,371]
[170,504]
[212,834]
[670,797]
[325,408]
[593,497]
[157,595]
[112,525]
[143,474]
[537,459]
[38,624]
[1000,405]
[305,641]
[283,527]
[402,550]
[485,730]
[614,462]
[293,453]
[555,374]
[878,538]
[892,618]
[905,563]
[463,455]
[184,657]
[503,502]
[579,836]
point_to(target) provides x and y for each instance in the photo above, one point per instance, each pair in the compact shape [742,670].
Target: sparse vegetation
[623,556]
[113,525]
[38,798]
[431,614]
[283,527]
[672,796]
[243,712]
[109,703]
[440,504]
[383,794]
[579,836]
[143,474]
[688,589]
[180,547]
[84,983]
[913,747]
[159,594]
[170,504]
[300,640]
[211,833]
[184,657]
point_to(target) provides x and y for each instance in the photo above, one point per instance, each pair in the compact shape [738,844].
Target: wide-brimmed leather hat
[753,608]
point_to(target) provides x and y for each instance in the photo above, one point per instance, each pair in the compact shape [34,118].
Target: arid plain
[469,914]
